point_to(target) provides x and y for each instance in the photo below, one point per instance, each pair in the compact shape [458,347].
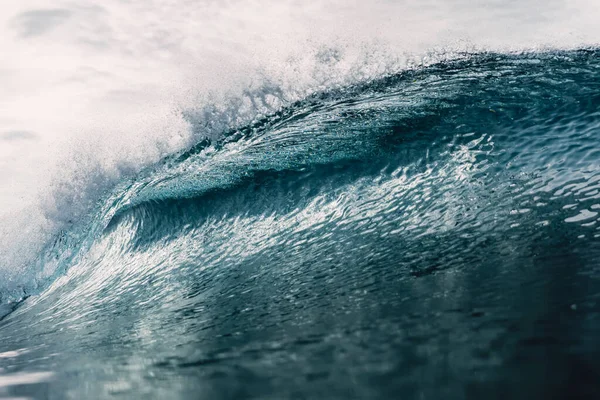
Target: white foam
[93,91]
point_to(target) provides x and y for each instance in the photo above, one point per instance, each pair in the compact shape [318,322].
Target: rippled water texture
[428,235]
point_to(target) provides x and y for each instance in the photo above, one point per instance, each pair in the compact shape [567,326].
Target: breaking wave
[344,237]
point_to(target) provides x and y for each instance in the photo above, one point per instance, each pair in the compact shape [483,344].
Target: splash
[121,88]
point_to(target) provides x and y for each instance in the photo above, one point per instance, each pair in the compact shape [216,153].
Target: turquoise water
[431,234]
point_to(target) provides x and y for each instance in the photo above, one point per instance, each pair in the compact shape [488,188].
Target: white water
[92,91]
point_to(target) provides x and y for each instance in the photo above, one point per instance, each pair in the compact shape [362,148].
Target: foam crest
[95,92]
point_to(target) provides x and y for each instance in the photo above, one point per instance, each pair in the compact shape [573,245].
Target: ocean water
[336,200]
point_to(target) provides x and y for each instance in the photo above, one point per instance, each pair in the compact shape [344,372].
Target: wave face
[433,234]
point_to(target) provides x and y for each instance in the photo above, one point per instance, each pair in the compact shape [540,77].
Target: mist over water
[287,200]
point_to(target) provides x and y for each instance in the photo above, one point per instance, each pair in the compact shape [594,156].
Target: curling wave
[345,237]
